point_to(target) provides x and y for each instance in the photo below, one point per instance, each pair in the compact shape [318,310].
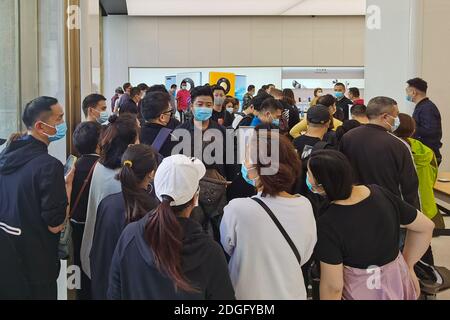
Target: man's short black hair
[333,171]
[419,84]
[183,82]
[119,90]
[174,86]
[201,91]
[340,84]
[135,92]
[218,88]
[271,105]
[38,109]
[86,137]
[251,88]
[91,101]
[270,85]
[154,104]
[126,86]
[354,91]
[259,99]
[142,87]
[358,110]
[157,88]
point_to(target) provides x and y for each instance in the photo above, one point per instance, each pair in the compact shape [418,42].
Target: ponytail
[164,235]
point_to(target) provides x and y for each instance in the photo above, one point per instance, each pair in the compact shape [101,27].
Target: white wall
[196,42]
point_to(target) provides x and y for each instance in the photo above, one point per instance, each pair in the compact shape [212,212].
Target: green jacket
[427,171]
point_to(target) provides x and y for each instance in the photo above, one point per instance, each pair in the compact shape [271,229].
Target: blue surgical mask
[338,95]
[244,173]
[104,116]
[310,186]
[61,130]
[202,113]
[276,122]
[396,124]
[409,98]
[230,110]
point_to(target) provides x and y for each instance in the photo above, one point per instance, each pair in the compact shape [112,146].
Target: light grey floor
[441,253]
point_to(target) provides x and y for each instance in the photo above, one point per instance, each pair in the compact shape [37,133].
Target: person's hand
[69,177]
[415,281]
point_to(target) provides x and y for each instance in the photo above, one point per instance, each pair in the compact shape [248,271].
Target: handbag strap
[161,138]
[280,227]
[83,187]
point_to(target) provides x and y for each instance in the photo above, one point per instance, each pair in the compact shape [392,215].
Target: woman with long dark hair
[114,140]
[139,165]
[166,255]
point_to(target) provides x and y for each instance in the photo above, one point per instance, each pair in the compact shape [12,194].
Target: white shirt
[263,265]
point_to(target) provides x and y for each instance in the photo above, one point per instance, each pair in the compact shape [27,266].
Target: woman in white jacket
[265,263]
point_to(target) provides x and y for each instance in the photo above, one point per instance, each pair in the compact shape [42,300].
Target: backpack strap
[280,227]
[161,138]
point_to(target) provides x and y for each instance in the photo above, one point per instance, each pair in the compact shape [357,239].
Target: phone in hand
[70,164]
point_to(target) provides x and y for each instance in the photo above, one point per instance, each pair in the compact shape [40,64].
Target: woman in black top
[361,228]
[139,163]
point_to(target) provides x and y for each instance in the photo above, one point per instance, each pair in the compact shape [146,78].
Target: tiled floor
[441,253]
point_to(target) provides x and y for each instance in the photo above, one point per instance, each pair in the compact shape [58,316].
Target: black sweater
[378,157]
[134,275]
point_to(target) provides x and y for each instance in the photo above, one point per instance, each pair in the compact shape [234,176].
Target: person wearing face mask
[427,116]
[227,115]
[269,112]
[360,230]
[318,92]
[251,91]
[220,114]
[343,103]
[34,202]
[183,100]
[379,157]
[95,109]
[166,255]
[115,212]
[157,112]
[267,253]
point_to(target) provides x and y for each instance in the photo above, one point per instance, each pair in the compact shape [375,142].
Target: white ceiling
[245,7]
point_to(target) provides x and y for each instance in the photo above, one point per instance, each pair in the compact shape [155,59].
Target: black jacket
[134,275]
[343,109]
[32,198]
[150,131]
[227,118]
[428,125]
[378,157]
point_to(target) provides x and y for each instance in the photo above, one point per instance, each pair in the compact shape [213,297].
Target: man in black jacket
[378,157]
[426,115]
[157,113]
[33,198]
[343,103]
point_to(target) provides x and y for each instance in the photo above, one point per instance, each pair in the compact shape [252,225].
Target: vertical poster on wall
[225,80]
[170,81]
[193,79]
[241,88]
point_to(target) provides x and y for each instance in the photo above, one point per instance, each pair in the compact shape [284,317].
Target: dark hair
[289,164]
[37,110]
[380,105]
[218,88]
[174,86]
[250,88]
[86,137]
[355,92]
[201,91]
[183,82]
[333,172]
[227,101]
[270,104]
[158,88]
[120,133]
[127,86]
[289,97]
[317,90]
[418,84]
[339,84]
[135,92]
[91,101]
[327,100]
[154,104]
[258,100]
[270,85]
[346,127]
[142,87]
[119,91]
[407,127]
[142,161]
[164,235]
[358,110]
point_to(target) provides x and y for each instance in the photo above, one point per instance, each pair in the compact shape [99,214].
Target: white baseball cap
[178,177]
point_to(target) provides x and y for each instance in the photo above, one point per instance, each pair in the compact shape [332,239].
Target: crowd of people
[352,192]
